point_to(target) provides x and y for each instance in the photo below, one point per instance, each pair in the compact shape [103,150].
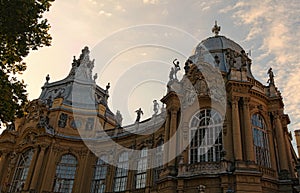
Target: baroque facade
[220,131]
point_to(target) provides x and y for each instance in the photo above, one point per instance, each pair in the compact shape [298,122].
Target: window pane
[120,180]
[65,174]
[141,172]
[98,182]
[158,160]
[260,141]
[21,171]
[206,143]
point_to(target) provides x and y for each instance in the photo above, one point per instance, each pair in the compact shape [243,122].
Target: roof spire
[216,29]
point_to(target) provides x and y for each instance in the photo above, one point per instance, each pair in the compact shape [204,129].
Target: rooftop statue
[119,118]
[155,107]
[174,70]
[139,113]
[271,76]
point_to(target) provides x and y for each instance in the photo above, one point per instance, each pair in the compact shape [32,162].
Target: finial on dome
[216,29]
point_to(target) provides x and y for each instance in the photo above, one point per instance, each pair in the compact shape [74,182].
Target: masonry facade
[226,132]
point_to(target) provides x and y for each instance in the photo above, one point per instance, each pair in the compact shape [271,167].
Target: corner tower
[235,125]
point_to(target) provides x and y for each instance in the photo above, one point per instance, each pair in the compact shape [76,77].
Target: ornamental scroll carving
[206,81]
[215,83]
[35,110]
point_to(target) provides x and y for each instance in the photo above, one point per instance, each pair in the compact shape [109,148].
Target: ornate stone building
[220,131]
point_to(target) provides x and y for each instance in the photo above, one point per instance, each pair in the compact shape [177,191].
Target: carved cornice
[170,95]
[233,85]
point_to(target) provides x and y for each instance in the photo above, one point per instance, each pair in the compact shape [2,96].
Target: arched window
[98,182]
[206,136]
[21,171]
[121,174]
[260,140]
[141,173]
[159,157]
[65,174]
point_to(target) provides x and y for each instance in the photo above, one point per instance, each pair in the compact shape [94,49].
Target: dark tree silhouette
[22,29]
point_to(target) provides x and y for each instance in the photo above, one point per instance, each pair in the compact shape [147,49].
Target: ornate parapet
[267,172]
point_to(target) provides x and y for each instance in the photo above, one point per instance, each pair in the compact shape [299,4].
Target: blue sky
[270,29]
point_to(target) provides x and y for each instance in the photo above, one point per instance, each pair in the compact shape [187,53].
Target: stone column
[236,130]
[31,169]
[248,131]
[281,144]
[38,167]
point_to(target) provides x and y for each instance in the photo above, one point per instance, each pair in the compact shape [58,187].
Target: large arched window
[98,182]
[206,136]
[21,171]
[121,174]
[65,174]
[141,173]
[260,140]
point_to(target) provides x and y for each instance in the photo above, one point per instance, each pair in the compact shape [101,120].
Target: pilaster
[281,144]
[38,166]
[248,131]
[236,130]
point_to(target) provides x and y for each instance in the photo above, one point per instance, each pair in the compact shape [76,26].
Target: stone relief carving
[89,125]
[189,97]
[201,87]
[76,123]
[215,84]
[230,58]
[202,80]
[188,93]
[29,139]
[62,122]
[35,109]
[43,122]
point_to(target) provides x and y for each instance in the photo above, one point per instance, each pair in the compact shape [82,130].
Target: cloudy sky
[119,35]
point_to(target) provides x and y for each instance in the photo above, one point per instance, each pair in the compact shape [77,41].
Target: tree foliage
[22,29]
